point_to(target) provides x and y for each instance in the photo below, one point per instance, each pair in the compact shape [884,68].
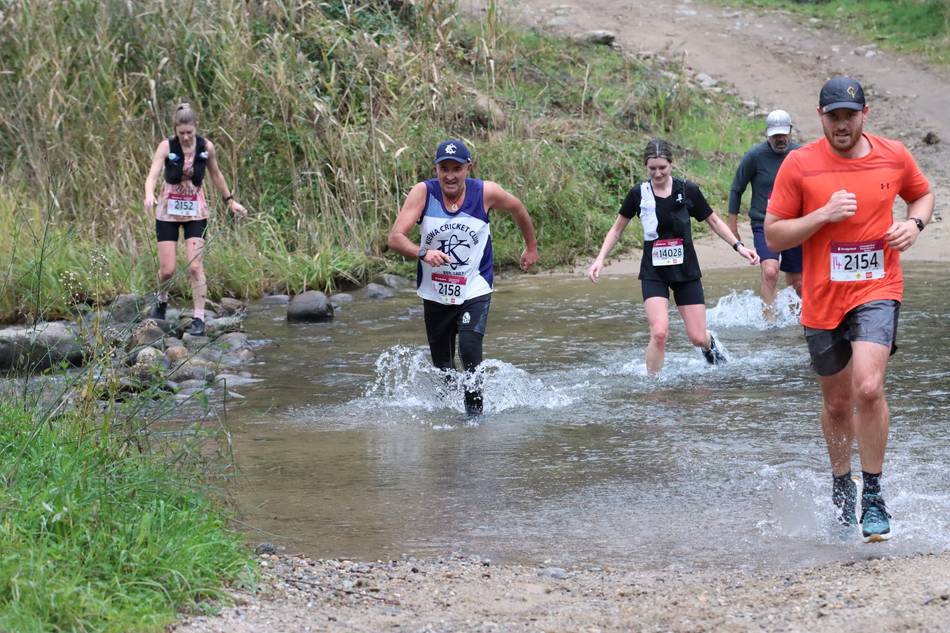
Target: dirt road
[777,60]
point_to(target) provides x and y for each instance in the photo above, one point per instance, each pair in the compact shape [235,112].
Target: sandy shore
[462,594]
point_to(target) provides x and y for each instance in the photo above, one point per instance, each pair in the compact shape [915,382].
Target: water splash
[405,378]
[745,309]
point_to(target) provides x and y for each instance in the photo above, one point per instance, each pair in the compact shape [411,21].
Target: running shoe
[196,328]
[875,526]
[845,498]
[714,355]
[158,312]
[473,403]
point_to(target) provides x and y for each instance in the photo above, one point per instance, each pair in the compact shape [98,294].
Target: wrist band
[229,198]
[736,246]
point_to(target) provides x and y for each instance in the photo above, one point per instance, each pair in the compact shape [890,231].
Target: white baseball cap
[778,122]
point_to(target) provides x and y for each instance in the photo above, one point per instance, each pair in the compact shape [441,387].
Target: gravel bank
[462,594]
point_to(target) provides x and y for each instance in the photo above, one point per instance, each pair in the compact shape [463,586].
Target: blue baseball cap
[452,149]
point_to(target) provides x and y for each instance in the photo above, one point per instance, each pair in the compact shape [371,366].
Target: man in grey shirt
[758,167]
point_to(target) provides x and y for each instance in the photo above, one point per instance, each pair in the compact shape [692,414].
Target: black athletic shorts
[685,293]
[444,322]
[169,231]
[875,321]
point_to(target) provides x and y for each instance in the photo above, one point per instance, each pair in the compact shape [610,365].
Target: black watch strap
[422,252]
[920,223]
[736,246]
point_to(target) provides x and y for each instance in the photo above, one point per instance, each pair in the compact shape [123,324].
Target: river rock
[149,356]
[146,333]
[193,369]
[555,573]
[233,380]
[275,300]
[392,281]
[931,138]
[195,342]
[239,357]
[376,291]
[176,354]
[341,298]
[232,341]
[706,81]
[311,306]
[129,307]
[35,349]
[600,37]
[216,327]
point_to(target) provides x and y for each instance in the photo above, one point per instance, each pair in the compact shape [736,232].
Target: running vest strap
[175,161]
[463,235]
[648,209]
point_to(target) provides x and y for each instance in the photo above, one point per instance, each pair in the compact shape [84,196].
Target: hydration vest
[175,161]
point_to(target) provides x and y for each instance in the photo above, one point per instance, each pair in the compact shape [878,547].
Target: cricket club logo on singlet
[451,247]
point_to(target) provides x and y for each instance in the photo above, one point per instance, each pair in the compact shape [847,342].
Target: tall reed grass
[324,115]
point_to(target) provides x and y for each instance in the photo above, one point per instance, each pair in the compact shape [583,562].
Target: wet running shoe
[845,499]
[473,403]
[158,312]
[875,526]
[714,355]
[196,328]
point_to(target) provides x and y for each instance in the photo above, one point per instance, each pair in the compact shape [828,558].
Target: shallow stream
[348,447]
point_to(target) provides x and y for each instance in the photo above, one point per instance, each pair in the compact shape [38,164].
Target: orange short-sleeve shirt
[805,182]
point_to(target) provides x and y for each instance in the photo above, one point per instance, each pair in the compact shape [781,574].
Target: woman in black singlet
[665,206]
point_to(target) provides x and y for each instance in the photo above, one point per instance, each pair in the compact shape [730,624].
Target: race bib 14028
[668,252]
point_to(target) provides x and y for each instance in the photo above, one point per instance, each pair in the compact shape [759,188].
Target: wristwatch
[920,223]
[422,252]
[736,246]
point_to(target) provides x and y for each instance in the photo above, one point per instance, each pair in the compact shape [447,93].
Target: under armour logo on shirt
[466,318]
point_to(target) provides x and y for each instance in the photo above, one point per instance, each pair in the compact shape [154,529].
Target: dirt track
[779,61]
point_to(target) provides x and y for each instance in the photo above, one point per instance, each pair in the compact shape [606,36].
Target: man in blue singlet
[454,274]
[758,168]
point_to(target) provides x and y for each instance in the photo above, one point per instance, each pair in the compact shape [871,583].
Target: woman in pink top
[181,205]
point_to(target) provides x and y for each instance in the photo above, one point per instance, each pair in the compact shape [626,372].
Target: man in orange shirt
[835,196]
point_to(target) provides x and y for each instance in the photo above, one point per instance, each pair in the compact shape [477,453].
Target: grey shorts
[875,321]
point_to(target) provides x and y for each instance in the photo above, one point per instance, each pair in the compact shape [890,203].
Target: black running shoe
[473,403]
[196,328]
[714,355]
[845,498]
[158,312]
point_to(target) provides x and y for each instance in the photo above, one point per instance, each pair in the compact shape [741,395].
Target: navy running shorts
[875,321]
[790,260]
[685,293]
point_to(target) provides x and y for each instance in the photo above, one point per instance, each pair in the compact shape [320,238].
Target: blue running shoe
[875,526]
[845,498]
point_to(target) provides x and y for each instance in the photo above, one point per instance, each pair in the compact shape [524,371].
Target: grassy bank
[920,27]
[97,538]
[324,115]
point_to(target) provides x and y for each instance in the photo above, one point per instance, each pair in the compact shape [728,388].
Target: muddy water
[350,446]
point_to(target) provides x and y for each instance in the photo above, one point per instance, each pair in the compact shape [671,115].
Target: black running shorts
[684,292]
[169,231]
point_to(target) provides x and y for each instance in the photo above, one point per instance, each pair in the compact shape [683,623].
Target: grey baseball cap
[778,122]
[841,92]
